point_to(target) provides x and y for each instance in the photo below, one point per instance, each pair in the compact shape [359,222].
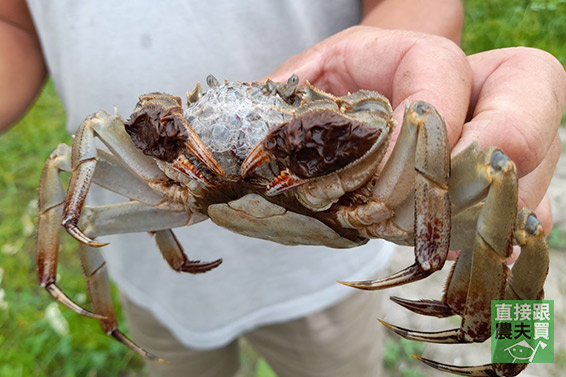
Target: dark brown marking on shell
[320,142]
[158,131]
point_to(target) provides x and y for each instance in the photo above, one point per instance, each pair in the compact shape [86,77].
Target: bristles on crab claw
[118,335]
[283,182]
[486,370]
[60,296]
[442,337]
[408,275]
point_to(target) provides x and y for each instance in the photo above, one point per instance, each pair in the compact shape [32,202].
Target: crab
[293,164]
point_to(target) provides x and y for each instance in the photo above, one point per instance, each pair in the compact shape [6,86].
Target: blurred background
[38,338]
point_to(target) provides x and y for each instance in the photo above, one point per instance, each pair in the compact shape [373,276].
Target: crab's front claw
[256,158]
[158,128]
[486,370]
[323,145]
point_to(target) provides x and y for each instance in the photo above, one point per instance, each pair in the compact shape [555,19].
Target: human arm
[22,68]
[446,20]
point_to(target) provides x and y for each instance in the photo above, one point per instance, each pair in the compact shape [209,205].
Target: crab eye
[320,142]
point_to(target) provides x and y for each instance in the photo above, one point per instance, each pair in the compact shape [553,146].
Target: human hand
[510,98]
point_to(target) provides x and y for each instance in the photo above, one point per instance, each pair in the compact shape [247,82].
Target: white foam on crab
[232,118]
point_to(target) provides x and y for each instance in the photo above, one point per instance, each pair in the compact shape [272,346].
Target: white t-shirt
[105,53]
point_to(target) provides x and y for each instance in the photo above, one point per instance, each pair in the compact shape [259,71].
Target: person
[285,300]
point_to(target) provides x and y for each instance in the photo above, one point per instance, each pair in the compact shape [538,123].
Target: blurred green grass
[29,345]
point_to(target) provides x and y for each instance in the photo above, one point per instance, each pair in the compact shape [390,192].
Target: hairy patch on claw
[158,131]
[320,142]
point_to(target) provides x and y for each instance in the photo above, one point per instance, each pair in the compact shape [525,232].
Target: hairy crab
[293,164]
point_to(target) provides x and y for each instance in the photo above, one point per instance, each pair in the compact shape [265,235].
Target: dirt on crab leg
[432,205]
[51,198]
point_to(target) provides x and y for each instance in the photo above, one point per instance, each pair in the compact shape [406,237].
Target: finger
[398,64]
[518,98]
[534,185]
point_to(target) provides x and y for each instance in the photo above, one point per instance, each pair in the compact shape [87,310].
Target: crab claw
[486,370]
[442,337]
[196,147]
[257,157]
[159,129]
[283,182]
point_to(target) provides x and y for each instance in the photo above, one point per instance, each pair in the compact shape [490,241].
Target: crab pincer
[319,148]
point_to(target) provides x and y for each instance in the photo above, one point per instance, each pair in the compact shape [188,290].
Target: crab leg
[98,283]
[533,262]
[128,217]
[467,294]
[131,217]
[473,171]
[528,276]
[174,255]
[431,205]
[492,245]
[51,198]
[83,163]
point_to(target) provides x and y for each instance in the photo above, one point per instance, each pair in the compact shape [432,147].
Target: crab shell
[329,146]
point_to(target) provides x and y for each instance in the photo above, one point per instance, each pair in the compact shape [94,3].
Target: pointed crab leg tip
[157,359]
[425,307]
[397,330]
[197,267]
[486,370]
[405,276]
[366,285]
[441,337]
[61,297]
[122,338]
[78,235]
[386,324]
[417,357]
[353,284]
